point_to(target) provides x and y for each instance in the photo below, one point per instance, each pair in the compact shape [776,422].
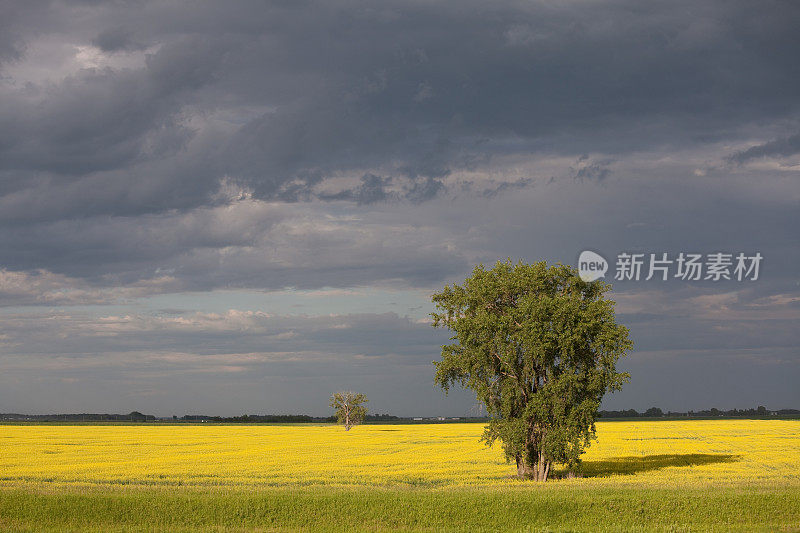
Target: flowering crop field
[728,474]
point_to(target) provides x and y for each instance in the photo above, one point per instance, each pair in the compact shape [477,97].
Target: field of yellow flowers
[639,465]
[432,455]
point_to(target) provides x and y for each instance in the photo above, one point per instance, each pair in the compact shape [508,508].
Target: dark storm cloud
[17,24]
[153,148]
[779,147]
[342,86]
[590,170]
[281,337]
[116,39]
[243,243]
[371,189]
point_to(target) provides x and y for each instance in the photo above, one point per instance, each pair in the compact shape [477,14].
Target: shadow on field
[635,464]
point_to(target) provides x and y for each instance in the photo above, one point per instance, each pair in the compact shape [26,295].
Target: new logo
[591,266]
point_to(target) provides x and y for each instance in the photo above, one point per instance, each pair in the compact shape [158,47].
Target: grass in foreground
[551,508]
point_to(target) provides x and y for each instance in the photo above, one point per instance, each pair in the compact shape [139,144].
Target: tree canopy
[349,410]
[539,347]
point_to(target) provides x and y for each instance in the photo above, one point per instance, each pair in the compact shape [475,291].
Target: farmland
[728,474]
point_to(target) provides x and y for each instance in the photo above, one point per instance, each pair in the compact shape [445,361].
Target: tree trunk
[539,473]
[522,469]
[542,469]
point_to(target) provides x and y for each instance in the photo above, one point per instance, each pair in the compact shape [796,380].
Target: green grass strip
[546,508]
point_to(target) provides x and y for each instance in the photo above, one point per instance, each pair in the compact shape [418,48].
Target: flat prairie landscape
[644,475]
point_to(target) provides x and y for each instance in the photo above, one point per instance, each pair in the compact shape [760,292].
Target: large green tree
[539,347]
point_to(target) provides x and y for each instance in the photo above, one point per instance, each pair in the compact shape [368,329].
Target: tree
[349,410]
[654,412]
[539,346]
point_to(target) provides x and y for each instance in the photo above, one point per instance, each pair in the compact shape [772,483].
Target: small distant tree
[349,410]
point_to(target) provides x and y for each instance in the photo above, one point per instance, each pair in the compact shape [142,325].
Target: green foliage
[349,410]
[539,346]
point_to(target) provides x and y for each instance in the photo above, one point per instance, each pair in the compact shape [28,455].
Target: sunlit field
[661,469]
[435,455]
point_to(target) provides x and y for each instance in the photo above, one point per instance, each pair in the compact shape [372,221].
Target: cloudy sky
[229,207]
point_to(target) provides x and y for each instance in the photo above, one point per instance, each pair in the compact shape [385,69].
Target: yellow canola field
[651,453]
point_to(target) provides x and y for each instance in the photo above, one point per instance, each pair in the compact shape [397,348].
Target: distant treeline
[250,419]
[655,412]
[136,416]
